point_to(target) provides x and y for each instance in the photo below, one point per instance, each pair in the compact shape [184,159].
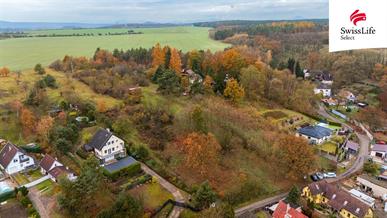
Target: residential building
[351,147]
[192,76]
[379,152]
[315,134]
[347,95]
[52,167]
[372,185]
[286,210]
[363,197]
[14,159]
[330,101]
[323,89]
[338,200]
[106,146]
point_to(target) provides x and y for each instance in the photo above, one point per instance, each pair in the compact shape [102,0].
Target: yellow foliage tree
[27,119]
[234,91]
[207,84]
[101,106]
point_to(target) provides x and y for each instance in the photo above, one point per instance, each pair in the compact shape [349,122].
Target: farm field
[24,53]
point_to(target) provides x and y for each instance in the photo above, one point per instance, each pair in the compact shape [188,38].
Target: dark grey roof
[315,131]
[323,86]
[100,138]
[121,164]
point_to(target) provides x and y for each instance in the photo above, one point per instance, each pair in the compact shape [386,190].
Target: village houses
[14,159]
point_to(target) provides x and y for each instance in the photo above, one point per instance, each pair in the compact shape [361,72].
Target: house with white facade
[379,153]
[372,185]
[323,89]
[106,146]
[314,134]
[52,167]
[14,159]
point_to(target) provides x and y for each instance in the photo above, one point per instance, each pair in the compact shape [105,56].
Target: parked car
[314,177]
[330,175]
[320,175]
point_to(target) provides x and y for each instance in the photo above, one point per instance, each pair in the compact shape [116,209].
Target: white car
[330,175]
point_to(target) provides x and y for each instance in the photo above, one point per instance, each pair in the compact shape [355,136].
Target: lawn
[152,194]
[20,178]
[328,147]
[24,53]
[326,164]
[46,187]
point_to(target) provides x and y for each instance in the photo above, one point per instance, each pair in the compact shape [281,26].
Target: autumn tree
[43,127]
[27,120]
[295,156]
[313,58]
[201,151]
[253,81]
[208,84]
[234,91]
[195,61]
[158,56]
[175,61]
[233,62]
[4,71]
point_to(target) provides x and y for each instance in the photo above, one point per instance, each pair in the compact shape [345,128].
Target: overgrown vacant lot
[24,53]
[15,87]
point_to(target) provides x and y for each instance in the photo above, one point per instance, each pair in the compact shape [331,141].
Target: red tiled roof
[58,171]
[7,153]
[47,162]
[284,210]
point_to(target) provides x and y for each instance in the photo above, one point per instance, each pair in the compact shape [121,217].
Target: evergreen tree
[299,72]
[204,196]
[294,196]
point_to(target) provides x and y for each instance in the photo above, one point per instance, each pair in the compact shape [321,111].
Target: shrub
[35,149]
[81,153]
[137,181]
[6,195]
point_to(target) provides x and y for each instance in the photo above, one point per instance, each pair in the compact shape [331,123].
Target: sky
[161,11]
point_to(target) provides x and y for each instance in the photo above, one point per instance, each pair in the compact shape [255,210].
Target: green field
[24,53]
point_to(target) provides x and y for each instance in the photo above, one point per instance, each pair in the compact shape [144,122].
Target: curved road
[364,142]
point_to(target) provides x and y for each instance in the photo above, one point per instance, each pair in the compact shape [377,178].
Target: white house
[323,89]
[13,159]
[106,146]
[315,134]
[379,152]
[347,95]
[51,166]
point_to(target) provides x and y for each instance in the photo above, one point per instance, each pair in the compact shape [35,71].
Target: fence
[174,203]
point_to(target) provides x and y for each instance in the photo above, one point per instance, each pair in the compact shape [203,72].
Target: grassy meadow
[24,53]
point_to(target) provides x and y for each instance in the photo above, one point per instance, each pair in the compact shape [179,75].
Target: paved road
[33,194]
[177,193]
[364,142]
[259,204]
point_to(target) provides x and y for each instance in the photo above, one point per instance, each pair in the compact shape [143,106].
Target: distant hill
[145,25]
[20,26]
[251,22]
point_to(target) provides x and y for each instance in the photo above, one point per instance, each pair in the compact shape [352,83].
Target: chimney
[107,129]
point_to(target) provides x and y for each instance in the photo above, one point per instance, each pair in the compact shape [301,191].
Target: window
[113,149]
[105,151]
[348,215]
[14,160]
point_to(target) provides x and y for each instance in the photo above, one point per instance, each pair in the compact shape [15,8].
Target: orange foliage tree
[201,151]
[4,71]
[27,120]
[43,128]
[158,56]
[175,62]
[295,156]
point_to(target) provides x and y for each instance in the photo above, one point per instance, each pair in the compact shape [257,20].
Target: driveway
[34,195]
[177,193]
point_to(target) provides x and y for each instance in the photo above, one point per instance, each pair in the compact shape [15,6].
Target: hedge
[36,149]
[7,195]
[131,170]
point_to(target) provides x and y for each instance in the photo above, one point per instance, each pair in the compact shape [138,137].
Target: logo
[356,17]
